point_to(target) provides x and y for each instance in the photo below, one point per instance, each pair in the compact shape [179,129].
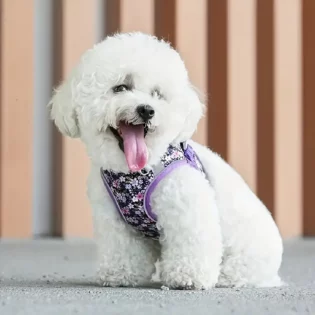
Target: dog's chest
[131,192]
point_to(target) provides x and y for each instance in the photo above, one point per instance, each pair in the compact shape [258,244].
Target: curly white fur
[213,232]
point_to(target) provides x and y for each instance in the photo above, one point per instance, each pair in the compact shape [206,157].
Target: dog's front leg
[125,258]
[191,246]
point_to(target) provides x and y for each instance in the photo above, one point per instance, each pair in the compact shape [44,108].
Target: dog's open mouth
[131,141]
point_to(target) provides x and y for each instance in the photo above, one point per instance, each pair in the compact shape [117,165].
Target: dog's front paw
[113,284]
[181,282]
[186,278]
[107,279]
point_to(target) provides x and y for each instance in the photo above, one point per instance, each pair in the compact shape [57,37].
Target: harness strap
[111,194]
[154,183]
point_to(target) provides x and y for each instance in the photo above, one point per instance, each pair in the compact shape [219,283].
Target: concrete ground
[56,277]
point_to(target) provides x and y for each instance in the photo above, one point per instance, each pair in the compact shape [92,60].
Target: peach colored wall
[288,117]
[254,61]
[241,117]
[75,35]
[308,116]
[16,104]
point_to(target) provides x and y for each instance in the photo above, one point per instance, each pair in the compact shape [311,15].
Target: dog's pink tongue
[134,146]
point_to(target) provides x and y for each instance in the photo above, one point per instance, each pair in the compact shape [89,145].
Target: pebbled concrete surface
[56,277]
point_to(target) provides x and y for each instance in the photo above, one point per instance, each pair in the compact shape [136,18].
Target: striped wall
[254,59]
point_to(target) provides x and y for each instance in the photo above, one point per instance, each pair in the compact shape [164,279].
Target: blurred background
[254,59]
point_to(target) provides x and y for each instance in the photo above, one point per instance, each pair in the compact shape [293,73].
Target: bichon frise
[165,208]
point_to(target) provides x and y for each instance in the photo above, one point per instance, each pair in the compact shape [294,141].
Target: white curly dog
[165,208]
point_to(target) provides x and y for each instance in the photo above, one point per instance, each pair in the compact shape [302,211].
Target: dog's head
[128,99]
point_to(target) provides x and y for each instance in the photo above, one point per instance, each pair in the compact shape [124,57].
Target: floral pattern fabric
[128,190]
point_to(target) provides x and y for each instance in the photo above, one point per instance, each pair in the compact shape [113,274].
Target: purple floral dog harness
[131,192]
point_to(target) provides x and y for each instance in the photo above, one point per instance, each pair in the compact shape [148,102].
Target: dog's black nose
[146,112]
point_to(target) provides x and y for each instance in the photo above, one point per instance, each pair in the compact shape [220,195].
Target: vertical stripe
[265,102]
[242,88]
[131,20]
[308,117]
[288,128]
[217,76]
[123,16]
[16,117]
[191,42]
[112,13]
[43,212]
[189,37]
[165,23]
[75,33]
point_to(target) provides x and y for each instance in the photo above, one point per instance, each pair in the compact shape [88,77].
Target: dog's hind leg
[248,269]
[251,240]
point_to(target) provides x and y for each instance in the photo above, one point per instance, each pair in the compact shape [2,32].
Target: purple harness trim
[152,186]
[131,192]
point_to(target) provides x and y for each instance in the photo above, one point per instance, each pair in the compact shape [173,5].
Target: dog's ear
[196,108]
[62,110]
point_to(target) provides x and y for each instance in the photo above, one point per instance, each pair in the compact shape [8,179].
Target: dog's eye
[157,93]
[120,88]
